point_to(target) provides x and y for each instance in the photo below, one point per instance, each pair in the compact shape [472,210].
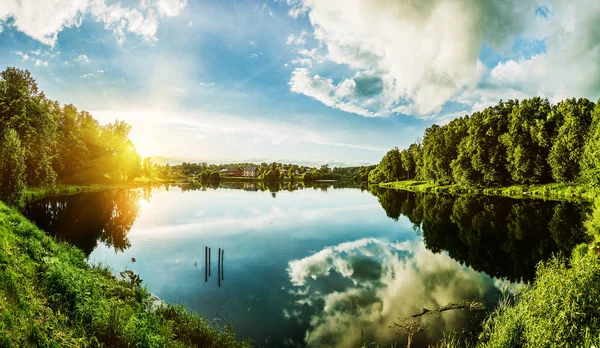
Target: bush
[561,309]
[214,176]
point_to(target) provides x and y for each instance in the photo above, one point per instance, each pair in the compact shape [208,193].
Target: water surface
[315,267]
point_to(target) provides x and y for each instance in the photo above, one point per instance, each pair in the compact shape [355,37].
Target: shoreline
[35,193]
[75,302]
[535,191]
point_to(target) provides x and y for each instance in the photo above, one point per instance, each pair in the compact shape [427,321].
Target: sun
[145,144]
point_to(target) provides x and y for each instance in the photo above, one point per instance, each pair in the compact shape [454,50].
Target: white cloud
[43,20]
[24,56]
[39,62]
[424,52]
[569,66]
[36,52]
[190,24]
[360,94]
[251,42]
[88,75]
[100,71]
[303,61]
[82,59]
[428,53]
[297,39]
[170,8]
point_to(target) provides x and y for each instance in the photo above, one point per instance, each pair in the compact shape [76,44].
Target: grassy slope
[50,297]
[546,191]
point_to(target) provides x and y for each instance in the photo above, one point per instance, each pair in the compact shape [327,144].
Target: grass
[51,297]
[543,191]
[561,308]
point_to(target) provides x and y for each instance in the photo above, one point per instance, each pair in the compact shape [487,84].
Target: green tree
[481,156]
[590,160]
[26,110]
[567,148]
[390,167]
[528,141]
[12,168]
[214,176]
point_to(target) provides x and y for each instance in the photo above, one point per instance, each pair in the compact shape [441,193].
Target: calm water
[314,267]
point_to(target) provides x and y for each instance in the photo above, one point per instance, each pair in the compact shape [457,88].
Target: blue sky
[307,81]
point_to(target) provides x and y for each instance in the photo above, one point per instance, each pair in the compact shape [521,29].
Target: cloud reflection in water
[369,283]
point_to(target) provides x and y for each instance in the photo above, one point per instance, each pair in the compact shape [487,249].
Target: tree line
[515,142]
[276,172]
[43,143]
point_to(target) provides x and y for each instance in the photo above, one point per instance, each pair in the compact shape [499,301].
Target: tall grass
[560,309]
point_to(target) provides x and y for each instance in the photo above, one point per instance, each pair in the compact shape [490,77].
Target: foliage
[526,142]
[12,168]
[575,119]
[60,143]
[214,176]
[561,309]
[590,160]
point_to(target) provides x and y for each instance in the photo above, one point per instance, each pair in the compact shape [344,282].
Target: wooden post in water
[205,264]
[219,268]
[222,264]
[209,261]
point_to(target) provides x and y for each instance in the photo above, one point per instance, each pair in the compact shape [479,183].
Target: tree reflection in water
[86,218]
[503,237]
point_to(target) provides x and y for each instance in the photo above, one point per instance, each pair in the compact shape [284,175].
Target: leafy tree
[590,160]
[214,176]
[26,110]
[390,168]
[528,141]
[408,162]
[481,156]
[12,168]
[568,144]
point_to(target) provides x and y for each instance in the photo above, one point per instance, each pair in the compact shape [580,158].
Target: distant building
[231,172]
[251,171]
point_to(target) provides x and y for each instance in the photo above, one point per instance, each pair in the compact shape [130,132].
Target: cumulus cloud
[388,281]
[82,59]
[570,64]
[359,94]
[24,56]
[39,62]
[44,20]
[299,39]
[427,53]
[170,8]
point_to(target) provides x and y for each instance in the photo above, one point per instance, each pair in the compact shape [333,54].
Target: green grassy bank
[51,297]
[545,191]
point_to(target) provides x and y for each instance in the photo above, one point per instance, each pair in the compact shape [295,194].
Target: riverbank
[50,296]
[542,191]
[35,193]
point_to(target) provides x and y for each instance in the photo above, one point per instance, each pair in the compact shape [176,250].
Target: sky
[303,81]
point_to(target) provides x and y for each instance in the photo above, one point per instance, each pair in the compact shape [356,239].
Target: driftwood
[443,308]
[411,326]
